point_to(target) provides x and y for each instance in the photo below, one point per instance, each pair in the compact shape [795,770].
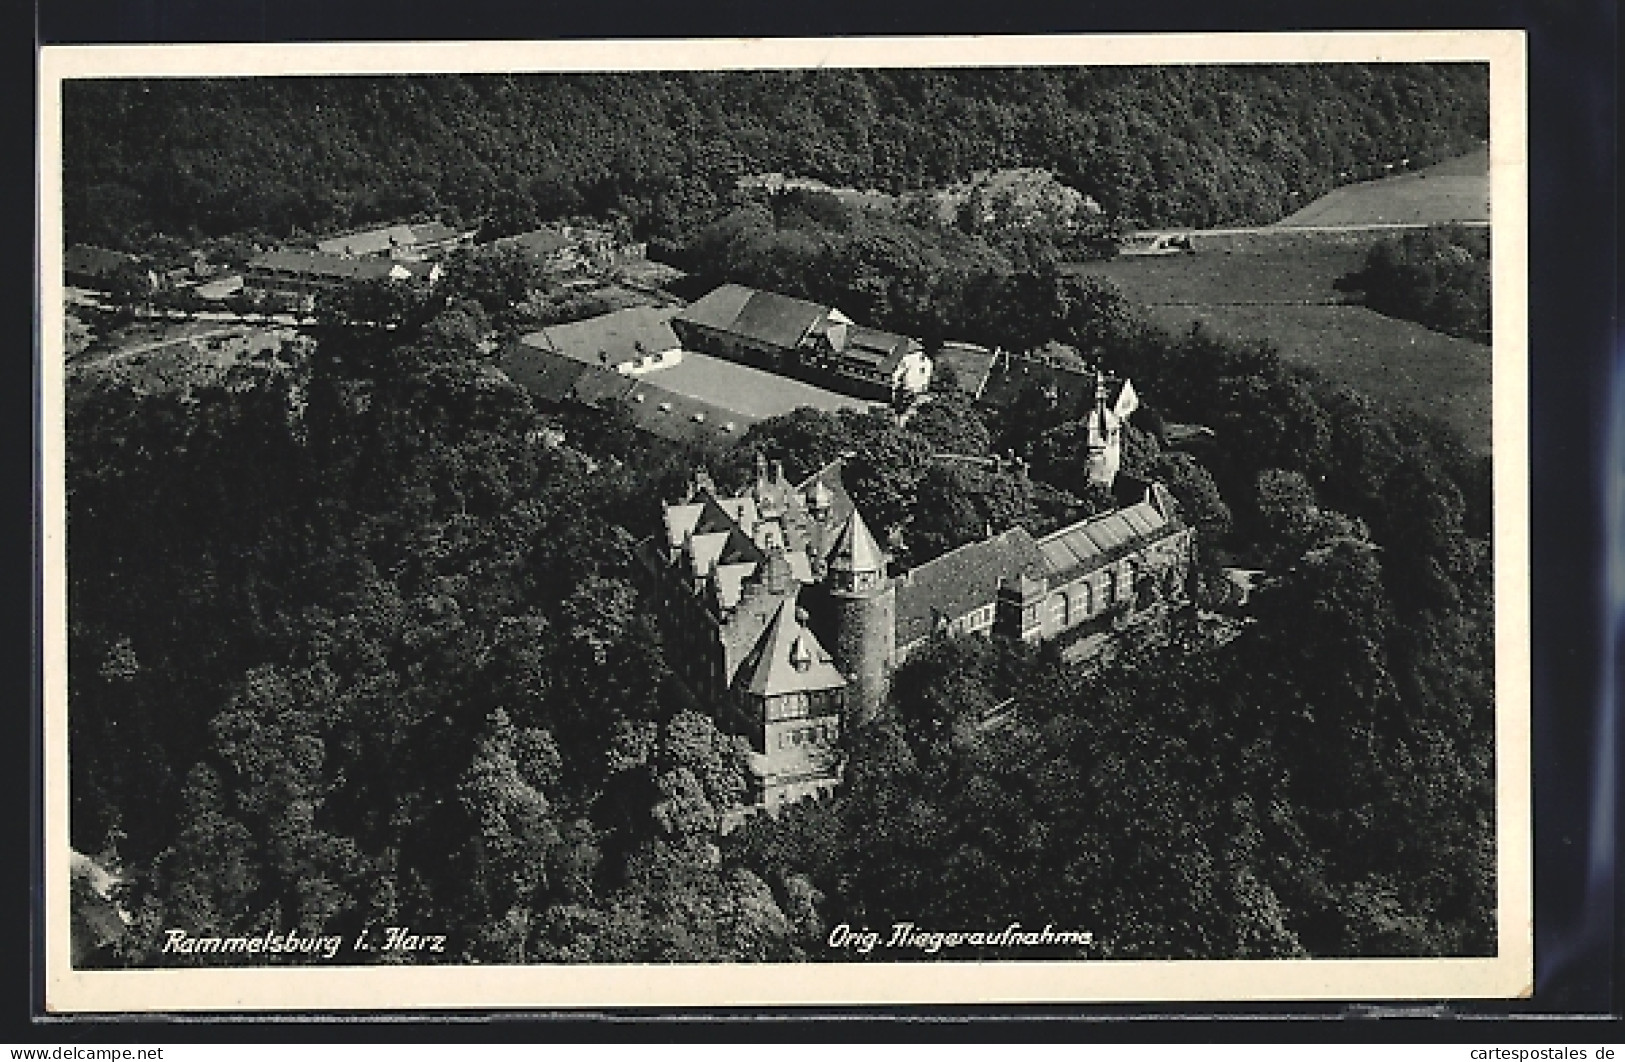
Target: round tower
[865,606]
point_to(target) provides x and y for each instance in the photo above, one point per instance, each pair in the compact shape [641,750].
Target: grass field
[1279,285]
[1293,270]
[1457,189]
[1395,362]
[744,389]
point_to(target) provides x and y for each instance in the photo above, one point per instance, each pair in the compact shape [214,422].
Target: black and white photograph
[686,523]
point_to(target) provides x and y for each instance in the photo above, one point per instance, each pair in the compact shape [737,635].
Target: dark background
[1573,292]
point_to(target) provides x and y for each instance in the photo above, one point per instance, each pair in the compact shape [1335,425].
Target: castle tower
[865,604]
[1104,426]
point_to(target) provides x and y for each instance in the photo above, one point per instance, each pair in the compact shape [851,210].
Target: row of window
[802,705]
[979,620]
[1075,604]
[822,734]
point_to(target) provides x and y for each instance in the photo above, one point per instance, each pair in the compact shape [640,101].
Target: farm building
[302,275]
[632,340]
[421,240]
[795,337]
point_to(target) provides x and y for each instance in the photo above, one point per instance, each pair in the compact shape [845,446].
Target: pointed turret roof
[788,659]
[855,549]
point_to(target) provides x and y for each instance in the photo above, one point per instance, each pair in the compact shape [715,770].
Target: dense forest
[356,642]
[1438,277]
[1169,145]
[353,644]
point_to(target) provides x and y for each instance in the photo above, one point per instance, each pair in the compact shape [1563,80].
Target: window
[1057,610]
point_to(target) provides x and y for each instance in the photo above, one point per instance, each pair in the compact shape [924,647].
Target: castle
[780,610]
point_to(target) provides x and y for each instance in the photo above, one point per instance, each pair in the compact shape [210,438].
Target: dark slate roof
[765,316]
[615,335]
[549,376]
[777,319]
[713,517]
[433,232]
[788,659]
[84,260]
[971,365]
[539,242]
[719,308]
[385,238]
[739,549]
[601,387]
[881,349]
[965,579]
[1074,390]
[679,417]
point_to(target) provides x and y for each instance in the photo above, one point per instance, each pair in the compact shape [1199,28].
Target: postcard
[533,526]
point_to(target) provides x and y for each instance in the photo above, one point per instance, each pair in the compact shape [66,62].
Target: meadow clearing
[1279,284]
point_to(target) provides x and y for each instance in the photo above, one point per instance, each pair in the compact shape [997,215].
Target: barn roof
[970,363]
[549,376]
[765,316]
[611,338]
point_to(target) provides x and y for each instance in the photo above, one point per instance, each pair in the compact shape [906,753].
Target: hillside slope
[1198,146]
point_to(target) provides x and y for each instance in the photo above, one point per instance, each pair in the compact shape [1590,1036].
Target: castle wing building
[780,609]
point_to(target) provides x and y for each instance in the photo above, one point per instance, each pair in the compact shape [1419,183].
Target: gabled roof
[956,583]
[433,232]
[678,417]
[739,549]
[712,517]
[420,270]
[1099,540]
[537,242]
[883,350]
[719,308]
[549,376]
[855,549]
[726,547]
[787,659]
[611,338]
[970,363]
[730,579]
[764,316]
[386,238]
[1074,390]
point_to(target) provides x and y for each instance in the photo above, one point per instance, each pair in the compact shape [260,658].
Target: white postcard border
[1509,974]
